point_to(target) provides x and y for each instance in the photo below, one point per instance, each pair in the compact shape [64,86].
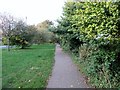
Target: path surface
[65,74]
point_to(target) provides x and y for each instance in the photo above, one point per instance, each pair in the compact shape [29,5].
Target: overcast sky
[36,11]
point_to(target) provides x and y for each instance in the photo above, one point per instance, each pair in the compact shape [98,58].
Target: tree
[23,34]
[43,34]
[7,23]
[44,25]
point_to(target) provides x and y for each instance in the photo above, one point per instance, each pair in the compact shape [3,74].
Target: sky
[36,11]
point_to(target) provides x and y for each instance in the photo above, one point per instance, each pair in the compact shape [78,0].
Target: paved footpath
[65,74]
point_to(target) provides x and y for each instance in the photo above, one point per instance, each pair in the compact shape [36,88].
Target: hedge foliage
[92,29]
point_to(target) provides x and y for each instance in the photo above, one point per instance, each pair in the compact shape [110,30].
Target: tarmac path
[65,73]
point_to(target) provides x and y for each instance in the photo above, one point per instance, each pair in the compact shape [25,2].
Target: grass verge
[27,68]
[0,68]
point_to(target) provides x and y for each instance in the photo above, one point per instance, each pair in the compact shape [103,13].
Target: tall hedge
[94,27]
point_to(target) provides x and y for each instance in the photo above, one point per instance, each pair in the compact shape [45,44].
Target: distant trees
[43,34]
[17,32]
[44,25]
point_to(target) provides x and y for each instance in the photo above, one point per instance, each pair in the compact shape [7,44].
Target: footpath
[65,73]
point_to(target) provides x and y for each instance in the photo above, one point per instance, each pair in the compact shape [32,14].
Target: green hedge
[95,25]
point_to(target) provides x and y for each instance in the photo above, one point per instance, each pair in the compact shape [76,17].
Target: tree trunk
[8,44]
[22,47]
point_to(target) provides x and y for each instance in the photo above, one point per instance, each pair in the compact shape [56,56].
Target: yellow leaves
[92,19]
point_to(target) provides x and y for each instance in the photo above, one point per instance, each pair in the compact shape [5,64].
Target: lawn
[27,68]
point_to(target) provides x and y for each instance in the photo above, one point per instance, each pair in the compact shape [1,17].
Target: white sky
[36,11]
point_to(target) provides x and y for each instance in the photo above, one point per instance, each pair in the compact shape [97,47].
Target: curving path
[65,74]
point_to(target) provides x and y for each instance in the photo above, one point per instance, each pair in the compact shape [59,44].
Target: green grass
[27,68]
[0,68]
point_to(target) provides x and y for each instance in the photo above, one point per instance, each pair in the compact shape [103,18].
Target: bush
[101,66]
[85,51]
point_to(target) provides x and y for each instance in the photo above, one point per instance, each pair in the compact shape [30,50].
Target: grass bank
[27,68]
